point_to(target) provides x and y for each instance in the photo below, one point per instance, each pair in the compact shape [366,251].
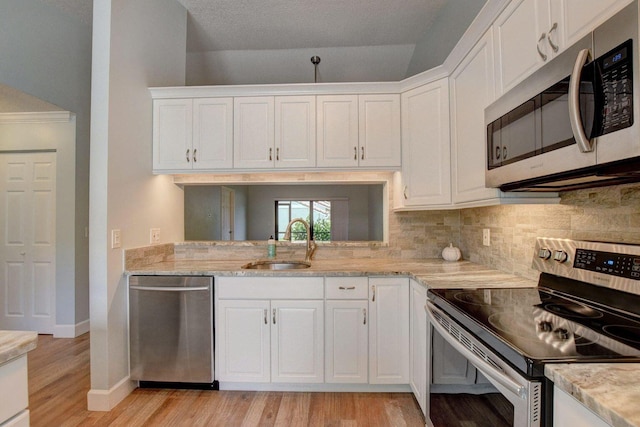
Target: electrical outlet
[486,237]
[154,235]
[116,240]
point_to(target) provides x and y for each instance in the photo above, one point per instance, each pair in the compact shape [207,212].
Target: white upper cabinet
[212,133]
[379,136]
[531,32]
[472,90]
[253,127]
[295,131]
[358,131]
[337,130]
[192,133]
[426,178]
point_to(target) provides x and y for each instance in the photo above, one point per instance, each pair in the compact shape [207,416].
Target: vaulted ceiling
[272,41]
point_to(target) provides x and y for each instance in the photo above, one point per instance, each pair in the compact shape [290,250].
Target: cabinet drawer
[13,387]
[270,288]
[346,287]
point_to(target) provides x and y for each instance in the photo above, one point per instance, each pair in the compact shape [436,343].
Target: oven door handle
[486,368]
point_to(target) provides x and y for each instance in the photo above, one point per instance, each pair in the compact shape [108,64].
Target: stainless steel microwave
[573,123]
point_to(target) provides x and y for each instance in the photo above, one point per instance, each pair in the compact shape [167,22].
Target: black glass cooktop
[532,326]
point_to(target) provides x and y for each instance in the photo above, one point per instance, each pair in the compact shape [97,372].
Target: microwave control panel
[616,71]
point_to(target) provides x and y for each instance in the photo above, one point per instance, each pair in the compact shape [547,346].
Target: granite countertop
[16,343]
[433,273]
[611,390]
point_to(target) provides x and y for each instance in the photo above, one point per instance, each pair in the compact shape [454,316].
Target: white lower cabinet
[14,392]
[346,330]
[260,339]
[418,345]
[389,330]
[568,412]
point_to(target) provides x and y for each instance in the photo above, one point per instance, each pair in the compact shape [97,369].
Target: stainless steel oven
[586,308]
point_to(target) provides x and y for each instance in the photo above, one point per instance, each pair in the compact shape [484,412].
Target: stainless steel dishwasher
[171,331]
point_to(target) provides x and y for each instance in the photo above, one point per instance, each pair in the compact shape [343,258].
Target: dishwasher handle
[169,288]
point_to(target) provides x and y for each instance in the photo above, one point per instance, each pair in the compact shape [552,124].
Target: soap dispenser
[271,248]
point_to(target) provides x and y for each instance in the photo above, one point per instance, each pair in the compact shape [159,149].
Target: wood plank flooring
[59,382]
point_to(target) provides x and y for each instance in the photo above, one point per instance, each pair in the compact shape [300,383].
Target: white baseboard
[321,387]
[71,331]
[106,400]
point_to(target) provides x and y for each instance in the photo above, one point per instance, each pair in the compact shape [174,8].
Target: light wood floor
[59,382]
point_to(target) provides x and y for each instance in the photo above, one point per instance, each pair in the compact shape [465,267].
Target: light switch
[115,239]
[154,235]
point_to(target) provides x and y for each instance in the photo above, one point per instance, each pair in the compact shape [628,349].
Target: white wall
[136,44]
[47,53]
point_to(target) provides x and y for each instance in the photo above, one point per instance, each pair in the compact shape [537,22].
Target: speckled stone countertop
[16,343]
[433,273]
[611,390]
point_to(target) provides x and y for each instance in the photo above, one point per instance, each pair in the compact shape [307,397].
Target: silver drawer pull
[364,316]
[348,288]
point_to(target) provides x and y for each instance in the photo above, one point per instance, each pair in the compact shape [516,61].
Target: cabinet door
[425,145]
[297,348]
[337,141]
[521,41]
[295,131]
[242,340]
[418,349]
[582,16]
[389,331]
[347,330]
[568,411]
[172,133]
[212,133]
[448,366]
[253,134]
[379,135]
[472,90]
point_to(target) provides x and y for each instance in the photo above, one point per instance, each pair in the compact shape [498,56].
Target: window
[316,212]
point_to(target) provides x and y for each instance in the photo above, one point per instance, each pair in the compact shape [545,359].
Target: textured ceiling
[293,24]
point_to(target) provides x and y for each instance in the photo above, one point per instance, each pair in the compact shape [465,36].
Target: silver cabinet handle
[274,316]
[348,288]
[554,46]
[270,153]
[404,193]
[169,288]
[584,144]
[187,155]
[498,152]
[278,153]
[355,153]
[195,153]
[362,155]
[364,316]
[541,53]
[504,153]
[265,316]
[373,290]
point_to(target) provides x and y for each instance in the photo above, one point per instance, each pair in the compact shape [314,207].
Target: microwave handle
[584,144]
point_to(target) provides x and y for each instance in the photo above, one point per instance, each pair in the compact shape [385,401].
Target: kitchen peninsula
[14,346]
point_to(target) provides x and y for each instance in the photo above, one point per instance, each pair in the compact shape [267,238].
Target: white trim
[505,199]
[71,331]
[106,400]
[351,388]
[36,117]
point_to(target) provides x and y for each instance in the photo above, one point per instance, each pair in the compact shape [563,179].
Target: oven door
[525,395]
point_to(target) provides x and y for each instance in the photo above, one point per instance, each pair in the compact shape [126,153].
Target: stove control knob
[544,253]
[545,326]
[561,256]
[562,334]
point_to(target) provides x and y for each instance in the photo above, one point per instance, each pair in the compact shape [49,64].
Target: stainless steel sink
[276,265]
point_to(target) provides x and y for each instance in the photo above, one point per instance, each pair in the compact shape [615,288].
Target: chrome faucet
[311,245]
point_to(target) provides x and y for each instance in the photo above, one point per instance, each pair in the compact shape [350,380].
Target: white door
[379,130]
[172,134]
[227,212]
[242,340]
[295,131]
[389,331]
[337,131]
[347,329]
[297,341]
[212,133]
[418,345]
[27,256]
[253,132]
